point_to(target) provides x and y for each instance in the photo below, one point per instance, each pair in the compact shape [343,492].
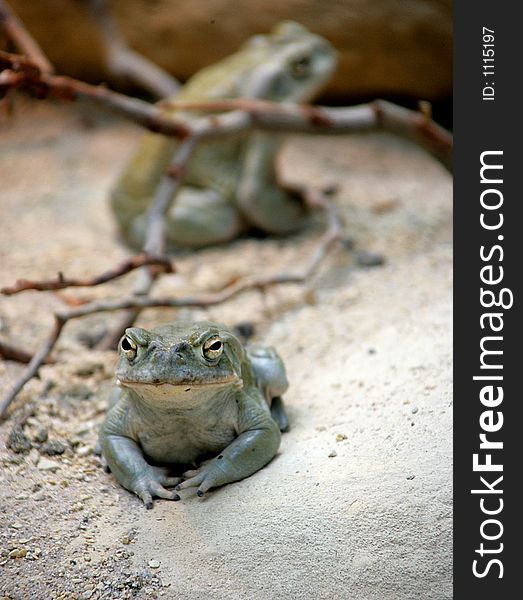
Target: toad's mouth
[178,385]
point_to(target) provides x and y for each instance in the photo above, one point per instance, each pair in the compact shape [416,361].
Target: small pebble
[18,553]
[340,437]
[18,442]
[348,242]
[410,477]
[365,258]
[13,460]
[34,456]
[85,428]
[84,451]
[154,564]
[41,435]
[414,410]
[310,297]
[385,206]
[44,464]
[52,448]
[333,454]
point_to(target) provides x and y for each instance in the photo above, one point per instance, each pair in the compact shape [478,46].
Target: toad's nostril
[179,350]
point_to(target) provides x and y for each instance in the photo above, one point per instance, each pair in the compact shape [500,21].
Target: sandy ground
[357,504]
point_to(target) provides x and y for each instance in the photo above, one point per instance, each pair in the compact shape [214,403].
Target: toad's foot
[248,453]
[206,477]
[153,483]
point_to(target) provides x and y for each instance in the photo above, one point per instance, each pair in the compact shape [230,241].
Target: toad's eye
[301,67]
[213,348]
[128,347]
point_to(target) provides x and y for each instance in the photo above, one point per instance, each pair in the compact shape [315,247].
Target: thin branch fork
[300,118]
[243,115]
[22,39]
[34,74]
[123,62]
[26,76]
[162,264]
[134,262]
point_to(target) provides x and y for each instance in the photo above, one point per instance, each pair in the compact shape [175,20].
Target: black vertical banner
[488,365]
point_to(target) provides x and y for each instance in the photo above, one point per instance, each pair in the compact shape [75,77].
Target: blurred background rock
[387,48]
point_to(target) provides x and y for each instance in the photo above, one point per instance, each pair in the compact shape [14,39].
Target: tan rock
[386,47]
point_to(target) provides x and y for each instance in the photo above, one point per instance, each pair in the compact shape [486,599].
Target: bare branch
[30,79]
[34,366]
[123,62]
[23,40]
[298,118]
[128,265]
[167,190]
[254,114]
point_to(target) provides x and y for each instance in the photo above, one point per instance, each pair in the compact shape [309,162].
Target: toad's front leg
[126,461]
[248,453]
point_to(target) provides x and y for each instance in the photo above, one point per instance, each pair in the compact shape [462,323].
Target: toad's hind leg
[271,379]
[198,217]
[259,198]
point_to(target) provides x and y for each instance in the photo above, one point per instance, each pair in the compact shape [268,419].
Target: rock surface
[387,48]
[358,503]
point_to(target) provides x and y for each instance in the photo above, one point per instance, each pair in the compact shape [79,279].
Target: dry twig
[22,39]
[61,282]
[34,366]
[268,116]
[125,63]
